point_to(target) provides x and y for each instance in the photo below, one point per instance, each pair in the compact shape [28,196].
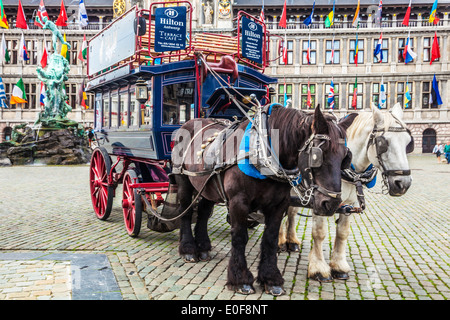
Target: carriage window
[106,112]
[114,110]
[178,103]
[124,109]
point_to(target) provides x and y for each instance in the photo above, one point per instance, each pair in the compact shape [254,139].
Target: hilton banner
[252,40]
[170,29]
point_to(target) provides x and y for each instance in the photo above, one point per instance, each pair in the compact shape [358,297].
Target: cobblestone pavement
[53,247]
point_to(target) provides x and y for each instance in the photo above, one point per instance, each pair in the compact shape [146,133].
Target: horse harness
[381,146]
[261,155]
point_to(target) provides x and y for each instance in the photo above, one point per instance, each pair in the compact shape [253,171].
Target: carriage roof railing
[212,46]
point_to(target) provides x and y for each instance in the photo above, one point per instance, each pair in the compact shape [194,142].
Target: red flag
[41,13]
[435,52]
[62,18]
[283,22]
[21,22]
[407,14]
[44,58]
[308,98]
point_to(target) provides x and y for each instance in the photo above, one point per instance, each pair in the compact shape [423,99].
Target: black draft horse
[246,194]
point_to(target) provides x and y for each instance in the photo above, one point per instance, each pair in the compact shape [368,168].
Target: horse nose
[401,185]
[330,206]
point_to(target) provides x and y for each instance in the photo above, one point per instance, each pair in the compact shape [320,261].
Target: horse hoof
[204,256]
[274,290]
[293,247]
[245,289]
[282,247]
[339,275]
[189,258]
[320,278]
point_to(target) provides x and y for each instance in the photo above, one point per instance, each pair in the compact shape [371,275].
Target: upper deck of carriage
[133,46]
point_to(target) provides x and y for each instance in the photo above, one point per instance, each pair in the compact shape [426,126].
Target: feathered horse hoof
[245,289]
[274,290]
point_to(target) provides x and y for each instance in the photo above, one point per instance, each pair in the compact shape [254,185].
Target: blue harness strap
[244,165]
[372,182]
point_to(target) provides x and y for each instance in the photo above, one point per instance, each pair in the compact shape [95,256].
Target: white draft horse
[379,138]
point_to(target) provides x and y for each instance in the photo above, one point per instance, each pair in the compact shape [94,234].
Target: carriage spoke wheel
[131,204]
[102,195]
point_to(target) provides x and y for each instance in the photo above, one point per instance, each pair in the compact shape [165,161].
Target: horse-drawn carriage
[143,95]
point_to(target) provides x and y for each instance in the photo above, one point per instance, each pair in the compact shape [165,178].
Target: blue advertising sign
[252,40]
[170,29]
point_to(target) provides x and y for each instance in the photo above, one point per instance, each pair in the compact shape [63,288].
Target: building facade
[330,51]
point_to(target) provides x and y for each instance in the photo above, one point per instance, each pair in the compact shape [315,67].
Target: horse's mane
[364,120]
[294,122]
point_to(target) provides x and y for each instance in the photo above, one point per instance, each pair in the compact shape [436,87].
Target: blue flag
[309,19]
[435,95]
[2,95]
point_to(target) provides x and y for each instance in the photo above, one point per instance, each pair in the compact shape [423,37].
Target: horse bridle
[315,160]
[382,144]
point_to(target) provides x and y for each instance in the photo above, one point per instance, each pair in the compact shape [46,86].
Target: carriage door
[428,140]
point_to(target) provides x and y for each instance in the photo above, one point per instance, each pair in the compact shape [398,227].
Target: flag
[407,14]
[18,94]
[435,96]
[261,16]
[21,21]
[378,52]
[355,22]
[382,99]
[331,96]
[433,17]
[407,98]
[408,54]
[64,50]
[285,59]
[62,18]
[43,95]
[329,20]
[23,49]
[285,95]
[435,51]
[378,14]
[283,22]
[84,105]
[41,14]
[309,19]
[4,50]
[308,98]
[82,54]
[3,18]
[82,15]
[332,51]
[44,59]
[2,95]
[355,94]
[355,60]
[308,51]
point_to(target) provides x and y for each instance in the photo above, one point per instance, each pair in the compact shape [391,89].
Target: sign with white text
[252,40]
[170,29]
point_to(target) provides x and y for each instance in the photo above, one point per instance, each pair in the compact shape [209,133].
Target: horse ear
[347,120]
[378,119]
[320,123]
[397,111]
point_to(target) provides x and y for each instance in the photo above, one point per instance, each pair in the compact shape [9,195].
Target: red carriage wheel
[102,195]
[131,204]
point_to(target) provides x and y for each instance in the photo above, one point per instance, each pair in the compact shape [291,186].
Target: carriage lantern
[141,91]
